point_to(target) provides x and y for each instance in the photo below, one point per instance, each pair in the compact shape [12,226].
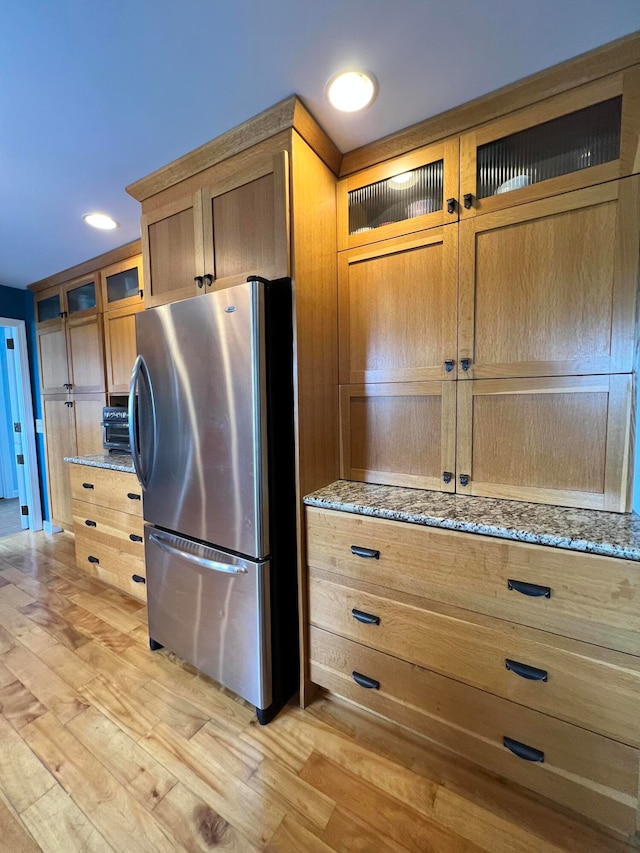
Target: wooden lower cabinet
[591,774]
[428,629]
[108,527]
[59,442]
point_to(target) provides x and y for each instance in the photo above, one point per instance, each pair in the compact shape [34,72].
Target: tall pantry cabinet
[487,326]
[86,349]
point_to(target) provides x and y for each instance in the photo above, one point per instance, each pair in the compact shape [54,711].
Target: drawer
[591,774]
[119,530]
[591,598]
[110,564]
[582,684]
[114,489]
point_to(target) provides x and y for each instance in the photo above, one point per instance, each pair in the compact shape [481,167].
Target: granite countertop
[606,533]
[114,461]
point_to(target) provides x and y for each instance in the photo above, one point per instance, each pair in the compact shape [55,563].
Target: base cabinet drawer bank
[108,527]
[523,658]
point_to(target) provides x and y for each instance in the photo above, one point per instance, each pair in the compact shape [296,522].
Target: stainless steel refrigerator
[211,424]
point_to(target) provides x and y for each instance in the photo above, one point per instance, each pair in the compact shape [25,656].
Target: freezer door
[212,610]
[202,418]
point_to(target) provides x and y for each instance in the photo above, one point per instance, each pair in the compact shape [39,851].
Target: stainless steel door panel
[211,609]
[203,376]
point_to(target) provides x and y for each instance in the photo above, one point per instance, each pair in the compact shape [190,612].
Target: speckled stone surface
[114,461]
[607,533]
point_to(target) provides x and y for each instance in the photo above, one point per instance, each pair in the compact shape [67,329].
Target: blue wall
[18,304]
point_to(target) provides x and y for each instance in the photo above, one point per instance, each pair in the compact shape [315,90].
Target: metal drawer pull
[138,579]
[90,523]
[135,538]
[365,552]
[366,618]
[93,559]
[523,751]
[87,485]
[532,589]
[133,496]
[365,681]
[531,673]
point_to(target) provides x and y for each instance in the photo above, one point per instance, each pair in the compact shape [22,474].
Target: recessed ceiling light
[351,90]
[101,220]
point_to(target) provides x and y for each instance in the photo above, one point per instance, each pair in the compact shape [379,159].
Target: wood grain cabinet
[427,627]
[218,234]
[122,298]
[108,527]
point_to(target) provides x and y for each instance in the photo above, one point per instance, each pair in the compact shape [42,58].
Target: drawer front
[582,770]
[585,596]
[114,489]
[119,530]
[111,565]
[578,686]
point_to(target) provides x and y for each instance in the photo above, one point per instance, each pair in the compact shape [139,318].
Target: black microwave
[115,429]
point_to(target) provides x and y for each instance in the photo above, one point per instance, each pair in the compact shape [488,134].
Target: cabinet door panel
[60,441]
[556,441]
[52,358]
[87,419]
[121,284]
[120,347]
[49,306]
[246,228]
[397,308]
[86,355]
[172,251]
[549,289]
[399,434]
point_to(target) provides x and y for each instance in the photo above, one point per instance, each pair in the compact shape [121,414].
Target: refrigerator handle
[138,367]
[163,542]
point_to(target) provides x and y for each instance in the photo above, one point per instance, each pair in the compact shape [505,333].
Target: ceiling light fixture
[101,220]
[351,90]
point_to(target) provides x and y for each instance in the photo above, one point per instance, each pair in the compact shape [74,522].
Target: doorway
[20,506]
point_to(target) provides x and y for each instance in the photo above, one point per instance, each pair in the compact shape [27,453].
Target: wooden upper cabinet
[52,357]
[416,191]
[580,138]
[218,235]
[121,284]
[172,250]
[120,346]
[86,355]
[400,434]
[82,297]
[86,413]
[397,308]
[549,288]
[49,306]
[563,441]
[246,225]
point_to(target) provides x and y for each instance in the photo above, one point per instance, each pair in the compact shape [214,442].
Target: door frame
[6,449]
[25,403]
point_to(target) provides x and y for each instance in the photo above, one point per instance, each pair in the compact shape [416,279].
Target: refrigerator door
[211,609]
[201,420]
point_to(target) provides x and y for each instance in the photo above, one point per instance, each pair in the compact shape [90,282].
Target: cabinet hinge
[24,510]
[20,459]
[17,427]
[11,344]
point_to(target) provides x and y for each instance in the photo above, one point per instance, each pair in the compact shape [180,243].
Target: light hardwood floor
[106,747]
[10,521]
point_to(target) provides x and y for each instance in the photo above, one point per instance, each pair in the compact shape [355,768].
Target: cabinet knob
[464,479]
[465,363]
[208,279]
[448,364]
[447,476]
[451,205]
[199,280]
[468,200]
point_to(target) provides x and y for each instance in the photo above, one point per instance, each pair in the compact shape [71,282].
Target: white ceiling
[94,95]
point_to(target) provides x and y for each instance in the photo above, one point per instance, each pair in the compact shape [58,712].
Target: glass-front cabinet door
[410,193]
[81,297]
[121,284]
[48,305]
[577,139]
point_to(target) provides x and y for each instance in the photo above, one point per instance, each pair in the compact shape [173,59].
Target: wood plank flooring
[107,747]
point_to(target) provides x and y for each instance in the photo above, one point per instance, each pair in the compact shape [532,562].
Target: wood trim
[316,137]
[608,59]
[282,214]
[89,267]
[626,275]
[619,467]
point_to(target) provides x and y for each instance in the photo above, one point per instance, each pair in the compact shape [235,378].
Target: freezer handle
[138,368]
[164,544]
